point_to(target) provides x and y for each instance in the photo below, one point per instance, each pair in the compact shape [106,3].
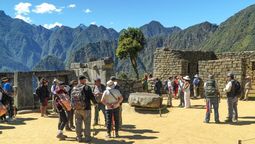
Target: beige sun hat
[186,78]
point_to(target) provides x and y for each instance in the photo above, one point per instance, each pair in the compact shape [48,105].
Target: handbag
[3,109]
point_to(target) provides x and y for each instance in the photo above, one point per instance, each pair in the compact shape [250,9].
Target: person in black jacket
[43,93]
[84,115]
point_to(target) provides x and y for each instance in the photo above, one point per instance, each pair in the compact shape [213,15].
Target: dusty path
[178,126]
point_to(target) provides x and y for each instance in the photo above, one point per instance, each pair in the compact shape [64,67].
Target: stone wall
[249,57]
[102,69]
[220,69]
[174,62]
[129,86]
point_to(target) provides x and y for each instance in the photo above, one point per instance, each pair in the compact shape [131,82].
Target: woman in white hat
[112,99]
[186,89]
[247,87]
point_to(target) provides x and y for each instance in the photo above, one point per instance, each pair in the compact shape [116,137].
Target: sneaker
[79,139]
[217,122]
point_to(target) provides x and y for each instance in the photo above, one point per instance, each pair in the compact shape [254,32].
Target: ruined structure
[173,62]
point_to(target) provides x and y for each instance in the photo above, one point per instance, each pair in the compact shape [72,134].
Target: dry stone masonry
[174,62]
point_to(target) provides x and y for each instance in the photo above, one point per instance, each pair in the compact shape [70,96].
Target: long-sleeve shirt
[89,96]
[228,87]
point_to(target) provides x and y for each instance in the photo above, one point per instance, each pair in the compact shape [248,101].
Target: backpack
[210,89]
[166,86]
[196,82]
[237,88]
[78,97]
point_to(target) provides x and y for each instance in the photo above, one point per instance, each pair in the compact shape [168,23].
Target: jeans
[11,108]
[109,115]
[181,96]
[232,108]
[85,117]
[70,118]
[209,103]
[62,120]
[99,107]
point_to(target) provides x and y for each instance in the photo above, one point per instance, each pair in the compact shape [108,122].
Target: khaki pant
[246,94]
[83,116]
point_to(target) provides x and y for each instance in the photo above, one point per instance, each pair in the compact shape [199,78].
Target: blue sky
[119,14]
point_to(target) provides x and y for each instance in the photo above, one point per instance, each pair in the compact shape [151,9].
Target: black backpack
[237,88]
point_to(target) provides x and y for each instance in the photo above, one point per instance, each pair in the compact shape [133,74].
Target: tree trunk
[134,65]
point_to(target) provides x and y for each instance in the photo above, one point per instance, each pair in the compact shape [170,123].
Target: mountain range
[26,47]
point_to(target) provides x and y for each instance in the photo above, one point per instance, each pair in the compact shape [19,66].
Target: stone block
[147,100]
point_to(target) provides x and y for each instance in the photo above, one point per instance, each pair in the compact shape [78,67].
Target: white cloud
[50,26]
[93,23]
[22,8]
[24,18]
[72,6]
[87,11]
[46,8]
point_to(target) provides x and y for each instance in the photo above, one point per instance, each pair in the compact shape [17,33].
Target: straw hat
[110,84]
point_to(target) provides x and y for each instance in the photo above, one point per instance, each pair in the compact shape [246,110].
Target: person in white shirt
[186,89]
[232,99]
[112,99]
[170,91]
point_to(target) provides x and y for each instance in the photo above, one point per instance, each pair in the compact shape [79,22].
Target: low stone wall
[129,86]
[220,69]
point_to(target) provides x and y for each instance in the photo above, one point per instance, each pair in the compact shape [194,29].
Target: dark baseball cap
[82,77]
[113,78]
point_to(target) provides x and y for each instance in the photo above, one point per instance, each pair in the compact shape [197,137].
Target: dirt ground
[176,126]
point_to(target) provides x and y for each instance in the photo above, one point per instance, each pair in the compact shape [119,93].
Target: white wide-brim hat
[110,84]
[186,78]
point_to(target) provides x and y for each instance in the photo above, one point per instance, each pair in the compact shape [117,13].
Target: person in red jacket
[61,92]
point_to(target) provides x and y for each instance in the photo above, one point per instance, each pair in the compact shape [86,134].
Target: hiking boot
[72,127]
[235,120]
[60,136]
[228,121]
[117,134]
[79,139]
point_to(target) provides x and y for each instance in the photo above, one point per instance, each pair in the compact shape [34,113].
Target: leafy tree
[131,42]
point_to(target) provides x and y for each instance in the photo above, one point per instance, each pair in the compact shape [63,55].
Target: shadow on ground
[136,134]
[198,107]
[20,121]
[140,110]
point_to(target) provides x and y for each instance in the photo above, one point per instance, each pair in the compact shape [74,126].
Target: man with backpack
[196,84]
[81,96]
[7,87]
[212,97]
[233,90]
